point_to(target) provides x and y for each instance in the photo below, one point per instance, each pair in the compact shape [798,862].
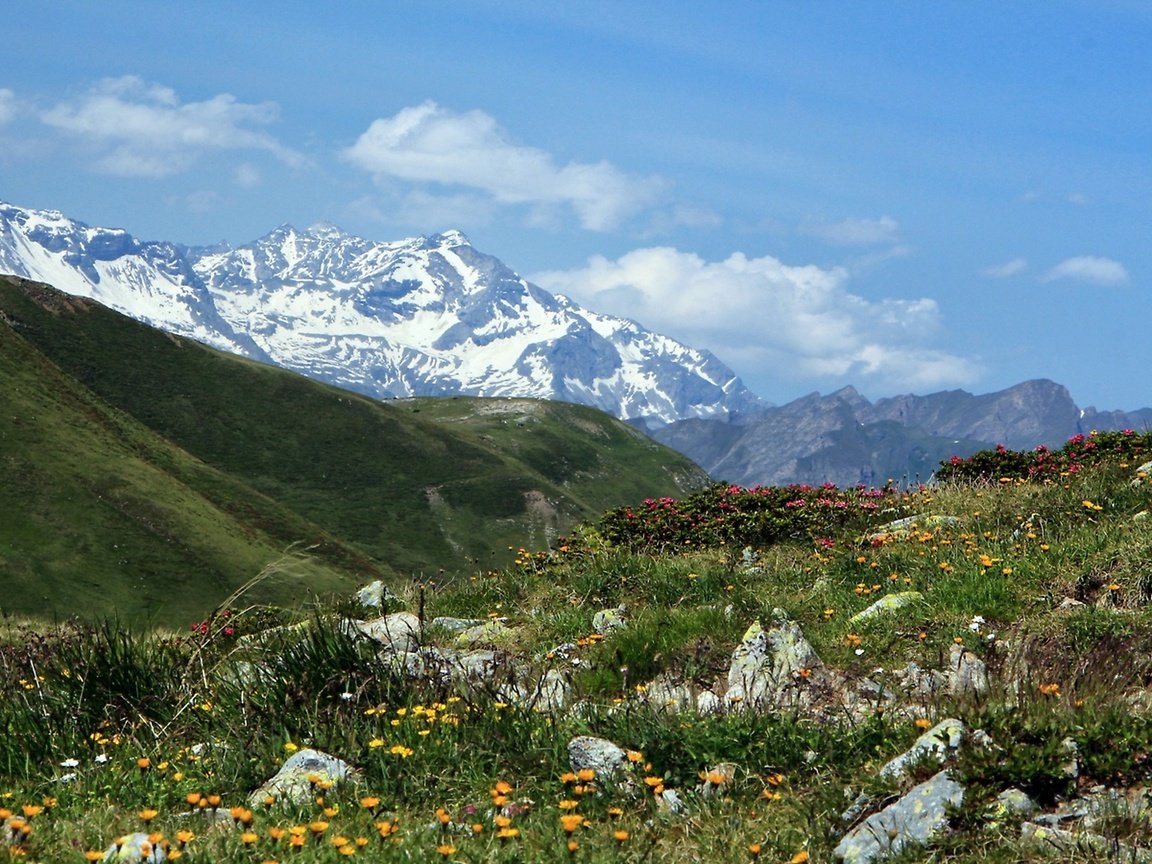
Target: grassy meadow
[1044,573]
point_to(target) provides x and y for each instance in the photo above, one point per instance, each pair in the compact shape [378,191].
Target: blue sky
[906,197]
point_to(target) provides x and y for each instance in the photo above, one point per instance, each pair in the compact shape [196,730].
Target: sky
[902,197]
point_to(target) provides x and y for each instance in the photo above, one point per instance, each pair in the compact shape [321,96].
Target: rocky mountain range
[427,316]
[433,316]
[845,439]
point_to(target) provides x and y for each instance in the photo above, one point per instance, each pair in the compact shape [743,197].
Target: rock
[716,778]
[663,693]
[914,819]
[455,625]
[599,754]
[670,802]
[377,595]
[1012,804]
[135,847]
[775,668]
[608,620]
[491,632]
[1069,603]
[967,676]
[902,527]
[708,703]
[938,744]
[551,693]
[1082,844]
[1071,768]
[887,603]
[398,632]
[294,782]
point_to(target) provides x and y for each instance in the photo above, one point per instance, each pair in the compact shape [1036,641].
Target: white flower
[69,763]
[68,778]
[859,651]
[347,697]
[101,758]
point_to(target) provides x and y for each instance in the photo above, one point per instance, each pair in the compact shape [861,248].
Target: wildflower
[376,743]
[800,857]
[754,849]
[183,838]
[586,775]
[147,815]
[248,838]
[570,822]
[1051,689]
[568,804]
[143,763]
[923,722]
[446,849]
[635,756]
[620,836]
[508,833]
[370,802]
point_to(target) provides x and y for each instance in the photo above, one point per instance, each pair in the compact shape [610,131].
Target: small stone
[398,632]
[607,621]
[295,781]
[938,744]
[132,847]
[887,603]
[377,595]
[599,754]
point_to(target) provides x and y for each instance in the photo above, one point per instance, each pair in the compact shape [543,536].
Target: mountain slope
[417,317]
[410,494]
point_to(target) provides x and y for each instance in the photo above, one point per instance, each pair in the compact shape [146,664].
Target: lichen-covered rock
[136,847]
[599,754]
[967,675]
[609,620]
[377,595]
[887,603]
[776,668]
[938,744]
[398,632]
[913,820]
[297,778]
[664,693]
[492,632]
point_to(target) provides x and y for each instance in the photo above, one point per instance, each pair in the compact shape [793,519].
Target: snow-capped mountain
[422,316]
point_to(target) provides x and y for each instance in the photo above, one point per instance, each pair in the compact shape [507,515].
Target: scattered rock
[377,595]
[599,754]
[664,693]
[967,676]
[914,819]
[1012,804]
[609,620]
[1060,841]
[938,744]
[295,781]
[135,847]
[670,802]
[455,625]
[491,632]
[399,632]
[776,668]
[887,603]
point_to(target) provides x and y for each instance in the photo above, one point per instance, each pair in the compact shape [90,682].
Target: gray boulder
[913,820]
[295,782]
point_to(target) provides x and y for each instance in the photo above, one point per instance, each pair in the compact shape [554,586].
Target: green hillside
[204,466]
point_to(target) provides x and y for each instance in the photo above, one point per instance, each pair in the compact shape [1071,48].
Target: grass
[457,773]
[146,474]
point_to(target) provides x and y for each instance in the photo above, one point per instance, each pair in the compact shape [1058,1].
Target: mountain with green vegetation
[955,673]
[145,473]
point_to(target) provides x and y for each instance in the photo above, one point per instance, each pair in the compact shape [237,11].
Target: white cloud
[427,143]
[1008,268]
[769,319]
[140,129]
[855,231]
[1089,268]
[7,105]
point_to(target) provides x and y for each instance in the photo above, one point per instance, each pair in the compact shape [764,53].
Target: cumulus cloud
[141,129]
[1089,268]
[770,319]
[430,144]
[1008,268]
[855,231]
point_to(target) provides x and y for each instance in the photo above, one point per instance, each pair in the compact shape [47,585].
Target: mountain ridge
[416,317]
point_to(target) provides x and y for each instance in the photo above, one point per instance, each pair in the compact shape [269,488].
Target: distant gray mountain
[427,316]
[844,439]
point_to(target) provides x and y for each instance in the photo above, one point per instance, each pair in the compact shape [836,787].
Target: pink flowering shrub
[1080,452]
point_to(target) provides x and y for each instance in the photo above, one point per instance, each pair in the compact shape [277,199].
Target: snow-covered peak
[419,316]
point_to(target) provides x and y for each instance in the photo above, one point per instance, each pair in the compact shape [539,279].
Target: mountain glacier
[426,316]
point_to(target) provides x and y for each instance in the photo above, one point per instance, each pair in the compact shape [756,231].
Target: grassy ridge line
[413,487]
[101,513]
